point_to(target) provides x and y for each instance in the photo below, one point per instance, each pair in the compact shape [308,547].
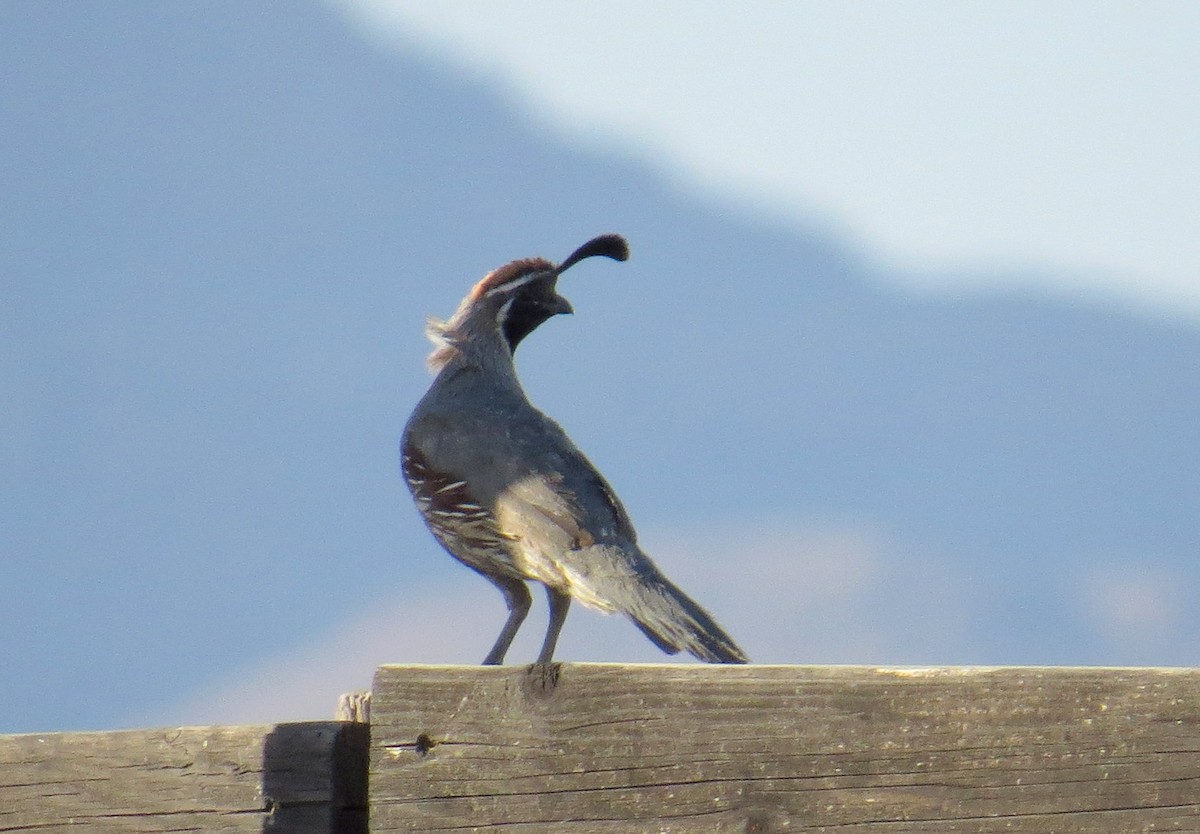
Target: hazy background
[904,369]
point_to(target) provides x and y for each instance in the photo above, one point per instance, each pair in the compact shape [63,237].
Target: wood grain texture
[304,777]
[580,748]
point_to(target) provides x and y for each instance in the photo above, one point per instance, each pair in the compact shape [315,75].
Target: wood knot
[424,744]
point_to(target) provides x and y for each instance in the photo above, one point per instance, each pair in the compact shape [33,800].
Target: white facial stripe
[502,313]
[513,284]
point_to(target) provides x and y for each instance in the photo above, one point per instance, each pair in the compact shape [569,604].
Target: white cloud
[983,137]
[789,593]
[1136,608]
[438,623]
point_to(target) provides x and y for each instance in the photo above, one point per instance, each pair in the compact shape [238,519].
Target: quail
[506,492]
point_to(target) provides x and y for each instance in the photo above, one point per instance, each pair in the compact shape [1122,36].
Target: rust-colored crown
[509,272]
[610,246]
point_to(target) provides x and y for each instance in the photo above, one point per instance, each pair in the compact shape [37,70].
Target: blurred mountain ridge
[226,223]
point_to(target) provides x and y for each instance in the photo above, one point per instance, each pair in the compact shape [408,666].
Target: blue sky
[963,146]
[901,370]
[1054,144]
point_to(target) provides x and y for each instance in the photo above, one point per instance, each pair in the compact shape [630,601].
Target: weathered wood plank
[304,777]
[580,748]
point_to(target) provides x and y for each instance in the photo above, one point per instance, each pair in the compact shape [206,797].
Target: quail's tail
[674,621]
[623,579]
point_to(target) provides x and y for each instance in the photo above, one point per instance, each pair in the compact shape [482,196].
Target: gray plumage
[506,492]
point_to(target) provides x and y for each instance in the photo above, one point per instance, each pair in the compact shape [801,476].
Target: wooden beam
[308,778]
[581,748]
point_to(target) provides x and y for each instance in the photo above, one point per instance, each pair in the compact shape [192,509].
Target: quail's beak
[560,305]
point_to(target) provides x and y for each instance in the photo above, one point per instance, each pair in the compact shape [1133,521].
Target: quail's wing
[524,472]
[571,506]
[572,533]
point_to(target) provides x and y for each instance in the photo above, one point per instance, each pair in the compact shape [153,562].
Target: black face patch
[530,306]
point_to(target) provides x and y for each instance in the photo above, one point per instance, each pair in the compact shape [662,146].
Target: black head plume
[525,289]
[610,246]
[527,312]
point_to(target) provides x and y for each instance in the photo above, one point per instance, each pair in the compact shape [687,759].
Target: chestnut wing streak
[468,530]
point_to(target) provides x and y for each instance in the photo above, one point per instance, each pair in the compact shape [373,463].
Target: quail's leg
[559,603]
[516,597]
